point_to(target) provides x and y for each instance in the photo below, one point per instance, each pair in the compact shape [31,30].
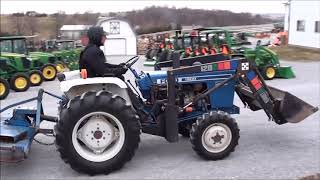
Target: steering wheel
[131,62]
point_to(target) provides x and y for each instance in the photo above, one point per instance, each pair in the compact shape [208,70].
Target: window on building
[300,25]
[317,27]
[115,27]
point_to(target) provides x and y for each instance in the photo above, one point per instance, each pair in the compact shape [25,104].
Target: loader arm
[280,106]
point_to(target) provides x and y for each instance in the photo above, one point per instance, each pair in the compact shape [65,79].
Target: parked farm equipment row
[212,41]
[21,69]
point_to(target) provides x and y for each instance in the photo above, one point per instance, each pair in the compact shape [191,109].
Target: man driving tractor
[92,57]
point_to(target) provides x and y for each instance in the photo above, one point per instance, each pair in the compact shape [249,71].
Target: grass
[297,53]
[311,177]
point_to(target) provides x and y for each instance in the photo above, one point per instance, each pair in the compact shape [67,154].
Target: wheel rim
[49,72]
[98,136]
[60,67]
[35,78]
[216,137]
[20,82]
[270,72]
[2,89]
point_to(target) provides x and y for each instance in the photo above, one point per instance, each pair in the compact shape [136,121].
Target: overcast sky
[70,7]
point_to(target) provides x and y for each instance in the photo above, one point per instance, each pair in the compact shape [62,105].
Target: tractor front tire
[97,133]
[4,88]
[215,135]
[19,82]
[60,67]
[49,72]
[269,72]
[35,78]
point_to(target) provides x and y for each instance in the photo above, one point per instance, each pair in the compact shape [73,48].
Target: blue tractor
[101,119]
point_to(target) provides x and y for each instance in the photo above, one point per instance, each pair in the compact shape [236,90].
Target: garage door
[115,47]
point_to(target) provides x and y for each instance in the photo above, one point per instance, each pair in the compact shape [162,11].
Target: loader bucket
[290,108]
[285,72]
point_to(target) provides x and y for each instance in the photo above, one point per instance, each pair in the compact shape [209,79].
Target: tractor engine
[185,94]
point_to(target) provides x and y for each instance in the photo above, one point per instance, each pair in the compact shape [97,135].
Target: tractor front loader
[101,118]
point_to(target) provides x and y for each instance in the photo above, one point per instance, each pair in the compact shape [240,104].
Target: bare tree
[59,21]
[18,22]
[32,24]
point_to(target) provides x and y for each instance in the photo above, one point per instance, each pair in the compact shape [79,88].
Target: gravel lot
[265,150]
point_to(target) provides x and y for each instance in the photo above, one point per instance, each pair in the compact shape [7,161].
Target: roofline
[103,19]
[65,40]
[16,37]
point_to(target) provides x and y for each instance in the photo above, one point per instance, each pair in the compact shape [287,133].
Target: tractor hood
[41,54]
[6,54]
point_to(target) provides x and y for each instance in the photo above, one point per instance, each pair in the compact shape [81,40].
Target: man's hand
[121,71]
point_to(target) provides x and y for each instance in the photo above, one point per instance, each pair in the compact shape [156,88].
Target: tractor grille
[52,60]
[38,64]
[3,63]
[25,62]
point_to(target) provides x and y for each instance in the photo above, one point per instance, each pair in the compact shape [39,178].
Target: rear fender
[76,87]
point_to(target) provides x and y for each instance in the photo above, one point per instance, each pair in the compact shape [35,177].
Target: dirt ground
[297,53]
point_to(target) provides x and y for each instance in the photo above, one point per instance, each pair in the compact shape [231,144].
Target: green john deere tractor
[65,51]
[16,45]
[45,56]
[13,74]
[268,63]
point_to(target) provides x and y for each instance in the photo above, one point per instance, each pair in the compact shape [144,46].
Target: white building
[121,39]
[302,21]
[73,32]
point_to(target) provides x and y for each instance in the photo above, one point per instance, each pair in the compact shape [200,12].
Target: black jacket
[93,60]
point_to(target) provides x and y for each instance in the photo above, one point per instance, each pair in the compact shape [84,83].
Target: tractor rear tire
[215,135]
[19,82]
[268,72]
[113,112]
[49,72]
[4,88]
[35,78]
